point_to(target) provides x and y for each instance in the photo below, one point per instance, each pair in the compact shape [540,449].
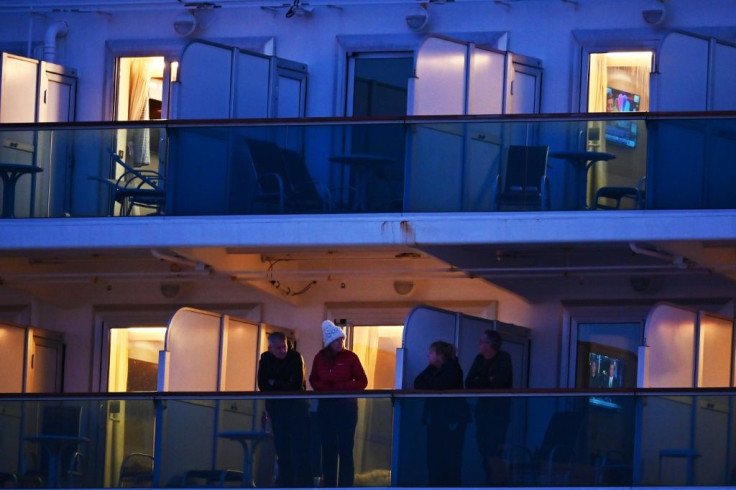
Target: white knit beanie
[331,332]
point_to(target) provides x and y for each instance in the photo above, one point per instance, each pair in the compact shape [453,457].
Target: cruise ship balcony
[409,165]
[561,438]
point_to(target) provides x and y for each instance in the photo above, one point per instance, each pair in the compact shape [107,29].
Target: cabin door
[618,82]
[133,367]
[378,87]
[45,362]
[142,90]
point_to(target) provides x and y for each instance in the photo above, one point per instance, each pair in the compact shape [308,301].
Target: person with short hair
[445,418]
[491,370]
[281,369]
[337,369]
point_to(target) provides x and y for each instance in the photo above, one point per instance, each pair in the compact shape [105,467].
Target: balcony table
[249,440]
[582,161]
[362,166]
[10,173]
[53,445]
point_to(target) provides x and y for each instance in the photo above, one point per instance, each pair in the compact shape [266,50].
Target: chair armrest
[144,175]
[544,193]
[110,182]
[495,192]
[263,181]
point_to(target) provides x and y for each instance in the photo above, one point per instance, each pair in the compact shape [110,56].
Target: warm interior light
[174,71]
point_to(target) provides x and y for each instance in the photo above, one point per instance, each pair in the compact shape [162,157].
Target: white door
[57,102]
[524,86]
[45,368]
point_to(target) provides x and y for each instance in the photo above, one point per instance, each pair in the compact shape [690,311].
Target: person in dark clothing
[445,418]
[491,370]
[281,369]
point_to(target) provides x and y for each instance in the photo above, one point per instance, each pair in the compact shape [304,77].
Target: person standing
[491,370]
[444,417]
[596,378]
[281,369]
[337,369]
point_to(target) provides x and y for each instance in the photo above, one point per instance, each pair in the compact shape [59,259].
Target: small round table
[53,445]
[249,439]
[582,161]
[10,173]
[361,166]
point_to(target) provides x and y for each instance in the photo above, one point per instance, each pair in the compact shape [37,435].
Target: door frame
[587,42]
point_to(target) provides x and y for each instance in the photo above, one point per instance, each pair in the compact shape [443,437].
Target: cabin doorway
[378,86]
[618,82]
[142,93]
[133,367]
[376,346]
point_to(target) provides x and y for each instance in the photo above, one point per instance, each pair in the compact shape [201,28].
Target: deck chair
[289,175]
[553,463]
[611,197]
[136,188]
[523,183]
[136,470]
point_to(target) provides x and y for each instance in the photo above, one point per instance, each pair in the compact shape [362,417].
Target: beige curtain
[139,140]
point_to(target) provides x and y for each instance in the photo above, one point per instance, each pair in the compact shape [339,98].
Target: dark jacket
[495,373]
[287,374]
[444,410]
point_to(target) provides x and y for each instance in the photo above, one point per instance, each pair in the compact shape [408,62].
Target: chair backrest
[562,431]
[136,470]
[149,178]
[244,179]
[525,167]
[299,186]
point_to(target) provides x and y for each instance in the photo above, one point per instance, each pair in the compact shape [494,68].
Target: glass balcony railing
[456,164]
[401,439]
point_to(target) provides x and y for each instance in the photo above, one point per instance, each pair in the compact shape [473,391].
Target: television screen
[622,132]
[605,372]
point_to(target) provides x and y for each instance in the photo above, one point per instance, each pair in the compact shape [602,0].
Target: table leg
[8,195]
[583,188]
[247,466]
[53,468]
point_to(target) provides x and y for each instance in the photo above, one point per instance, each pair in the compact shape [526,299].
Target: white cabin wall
[77,325]
[312,39]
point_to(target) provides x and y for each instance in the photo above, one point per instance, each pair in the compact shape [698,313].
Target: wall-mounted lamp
[403,288]
[170,289]
[185,23]
[418,18]
[654,12]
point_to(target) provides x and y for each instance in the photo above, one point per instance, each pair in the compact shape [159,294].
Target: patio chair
[554,461]
[289,176]
[136,470]
[522,183]
[136,188]
[611,197]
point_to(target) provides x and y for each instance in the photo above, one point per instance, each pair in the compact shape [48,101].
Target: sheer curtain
[139,140]
[598,83]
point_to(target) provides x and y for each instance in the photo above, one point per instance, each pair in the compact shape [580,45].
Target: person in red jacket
[337,369]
